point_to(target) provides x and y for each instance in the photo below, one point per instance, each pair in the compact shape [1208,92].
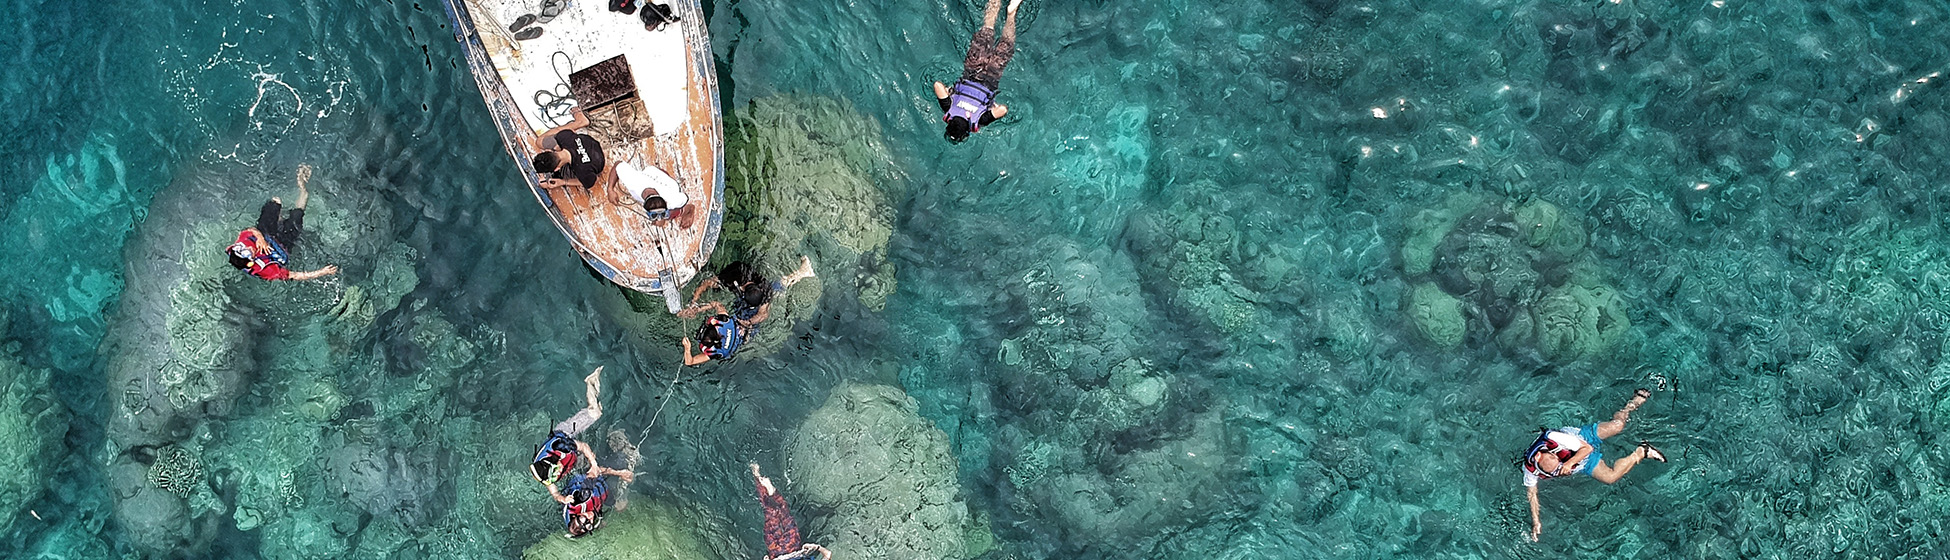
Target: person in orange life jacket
[782,541]
[1569,451]
[754,294]
[565,157]
[263,251]
[558,454]
[586,497]
[970,104]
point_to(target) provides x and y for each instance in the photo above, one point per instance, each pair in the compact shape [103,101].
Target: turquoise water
[1164,309]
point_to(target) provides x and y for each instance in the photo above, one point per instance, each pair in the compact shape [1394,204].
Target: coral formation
[885,475]
[34,424]
[1186,247]
[646,530]
[176,471]
[1515,271]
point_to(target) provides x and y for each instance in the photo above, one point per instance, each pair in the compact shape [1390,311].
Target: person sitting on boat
[970,104]
[782,541]
[754,294]
[651,189]
[566,157]
[584,498]
[1571,451]
[263,251]
[718,337]
[559,453]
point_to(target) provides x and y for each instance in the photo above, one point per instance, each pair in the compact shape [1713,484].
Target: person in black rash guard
[566,157]
[970,104]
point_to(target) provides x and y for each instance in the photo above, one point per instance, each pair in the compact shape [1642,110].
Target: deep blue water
[1162,309]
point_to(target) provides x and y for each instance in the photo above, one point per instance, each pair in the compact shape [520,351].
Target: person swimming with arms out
[782,540]
[754,294]
[1570,451]
[559,454]
[264,250]
[970,104]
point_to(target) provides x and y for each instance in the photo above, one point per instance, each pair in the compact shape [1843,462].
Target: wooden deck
[672,124]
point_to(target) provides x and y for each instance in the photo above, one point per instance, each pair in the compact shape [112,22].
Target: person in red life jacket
[565,157]
[559,454]
[970,104]
[782,541]
[586,497]
[264,251]
[1570,451]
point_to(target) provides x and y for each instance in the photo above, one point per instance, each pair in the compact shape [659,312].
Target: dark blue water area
[1170,306]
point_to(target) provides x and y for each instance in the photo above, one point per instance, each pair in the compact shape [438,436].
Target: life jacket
[730,336]
[589,493]
[1545,444]
[968,101]
[561,449]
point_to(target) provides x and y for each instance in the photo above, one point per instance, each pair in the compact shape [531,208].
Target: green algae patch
[645,530]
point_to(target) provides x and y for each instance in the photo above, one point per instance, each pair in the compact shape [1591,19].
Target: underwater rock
[404,484]
[884,472]
[1437,316]
[1184,248]
[34,424]
[317,533]
[1518,274]
[645,530]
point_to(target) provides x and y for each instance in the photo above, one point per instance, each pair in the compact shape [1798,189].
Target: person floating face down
[565,157]
[559,454]
[1569,451]
[720,335]
[264,250]
[782,540]
[970,104]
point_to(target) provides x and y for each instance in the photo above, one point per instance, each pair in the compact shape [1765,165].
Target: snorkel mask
[242,250]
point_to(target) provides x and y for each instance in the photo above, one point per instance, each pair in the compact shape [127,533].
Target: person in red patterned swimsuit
[782,540]
[263,250]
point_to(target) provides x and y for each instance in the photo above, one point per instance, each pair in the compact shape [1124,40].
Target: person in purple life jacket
[970,104]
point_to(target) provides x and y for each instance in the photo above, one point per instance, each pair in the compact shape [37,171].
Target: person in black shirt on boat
[568,157]
[970,104]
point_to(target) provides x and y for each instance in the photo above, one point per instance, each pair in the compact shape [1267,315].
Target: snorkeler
[566,157]
[970,104]
[264,250]
[718,337]
[559,453]
[1569,451]
[754,294]
[584,498]
[782,541]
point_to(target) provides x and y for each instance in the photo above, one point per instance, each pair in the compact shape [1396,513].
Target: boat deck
[671,123]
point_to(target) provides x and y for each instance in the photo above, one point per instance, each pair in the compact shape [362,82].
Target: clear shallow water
[1759,181]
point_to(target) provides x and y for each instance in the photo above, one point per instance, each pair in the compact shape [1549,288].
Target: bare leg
[805,271]
[1617,470]
[988,15]
[1617,424]
[1009,29]
[304,174]
[592,386]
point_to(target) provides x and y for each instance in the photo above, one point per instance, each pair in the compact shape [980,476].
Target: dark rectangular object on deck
[603,84]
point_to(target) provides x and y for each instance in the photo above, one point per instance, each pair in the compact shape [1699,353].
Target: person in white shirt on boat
[566,157]
[652,189]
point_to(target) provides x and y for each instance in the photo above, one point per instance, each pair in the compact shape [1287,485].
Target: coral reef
[1513,272]
[176,471]
[885,475]
[1186,247]
[34,424]
[646,530]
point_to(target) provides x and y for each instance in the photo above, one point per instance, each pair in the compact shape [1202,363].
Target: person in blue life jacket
[754,294]
[586,497]
[970,104]
[1572,451]
[718,337]
[559,454]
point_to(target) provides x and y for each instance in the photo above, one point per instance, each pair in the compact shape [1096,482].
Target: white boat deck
[672,125]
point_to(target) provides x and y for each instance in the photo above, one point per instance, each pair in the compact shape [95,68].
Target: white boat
[653,104]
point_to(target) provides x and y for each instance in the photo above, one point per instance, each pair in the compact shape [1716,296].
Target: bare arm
[693,359]
[940,91]
[763,312]
[707,284]
[557,494]
[1536,518]
[1578,457]
[320,273]
[999,110]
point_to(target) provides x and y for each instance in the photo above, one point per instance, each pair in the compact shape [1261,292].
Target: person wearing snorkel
[264,250]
